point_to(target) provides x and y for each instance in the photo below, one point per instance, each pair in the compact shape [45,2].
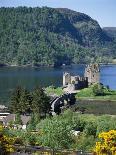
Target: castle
[91,76]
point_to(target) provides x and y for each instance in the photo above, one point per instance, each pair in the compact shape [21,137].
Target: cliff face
[47,36]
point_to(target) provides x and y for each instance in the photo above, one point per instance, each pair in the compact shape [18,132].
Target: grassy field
[101,94]
[95,107]
[85,94]
[100,98]
[96,99]
[51,90]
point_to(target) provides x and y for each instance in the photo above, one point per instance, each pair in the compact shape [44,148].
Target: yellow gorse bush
[107,143]
[6,143]
[1,128]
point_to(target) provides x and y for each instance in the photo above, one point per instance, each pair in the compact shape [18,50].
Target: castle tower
[66,79]
[92,72]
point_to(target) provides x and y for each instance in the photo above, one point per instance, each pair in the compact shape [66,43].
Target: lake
[10,77]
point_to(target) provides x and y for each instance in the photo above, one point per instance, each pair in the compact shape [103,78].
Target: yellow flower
[107,143]
[1,128]
[6,142]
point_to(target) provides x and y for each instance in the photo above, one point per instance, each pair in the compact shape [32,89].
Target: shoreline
[49,66]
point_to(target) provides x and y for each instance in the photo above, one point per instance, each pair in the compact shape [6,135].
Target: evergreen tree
[41,102]
[25,102]
[20,101]
[15,100]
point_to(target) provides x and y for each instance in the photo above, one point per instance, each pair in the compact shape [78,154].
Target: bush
[56,133]
[106,123]
[98,89]
[6,142]
[91,129]
[106,143]
[85,143]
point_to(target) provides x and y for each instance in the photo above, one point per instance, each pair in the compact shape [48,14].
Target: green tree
[56,133]
[40,102]
[20,101]
[15,100]
[35,119]
[25,102]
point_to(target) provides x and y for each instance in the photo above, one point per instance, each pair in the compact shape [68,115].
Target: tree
[15,99]
[20,101]
[40,102]
[25,102]
[56,133]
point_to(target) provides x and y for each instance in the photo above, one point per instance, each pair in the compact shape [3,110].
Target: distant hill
[111,31]
[52,37]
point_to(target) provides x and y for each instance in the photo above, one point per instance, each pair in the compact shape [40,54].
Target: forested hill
[47,36]
[110,31]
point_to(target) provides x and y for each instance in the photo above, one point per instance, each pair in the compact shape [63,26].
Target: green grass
[104,98]
[52,90]
[88,94]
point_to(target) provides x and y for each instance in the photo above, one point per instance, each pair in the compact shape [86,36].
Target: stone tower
[66,79]
[92,72]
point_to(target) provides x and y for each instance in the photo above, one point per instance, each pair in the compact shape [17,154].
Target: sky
[104,11]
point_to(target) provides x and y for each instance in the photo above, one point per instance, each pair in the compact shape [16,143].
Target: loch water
[31,77]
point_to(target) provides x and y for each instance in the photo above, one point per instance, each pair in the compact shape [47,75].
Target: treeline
[52,37]
[25,102]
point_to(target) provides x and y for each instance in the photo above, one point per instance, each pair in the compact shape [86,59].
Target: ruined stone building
[91,76]
[74,82]
[92,72]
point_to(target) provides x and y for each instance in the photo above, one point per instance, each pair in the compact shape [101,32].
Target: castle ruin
[91,76]
[92,72]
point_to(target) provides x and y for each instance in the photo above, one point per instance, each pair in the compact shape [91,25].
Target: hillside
[47,36]
[89,29]
[111,31]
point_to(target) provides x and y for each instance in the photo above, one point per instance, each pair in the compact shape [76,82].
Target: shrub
[98,89]
[107,143]
[6,142]
[85,143]
[91,128]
